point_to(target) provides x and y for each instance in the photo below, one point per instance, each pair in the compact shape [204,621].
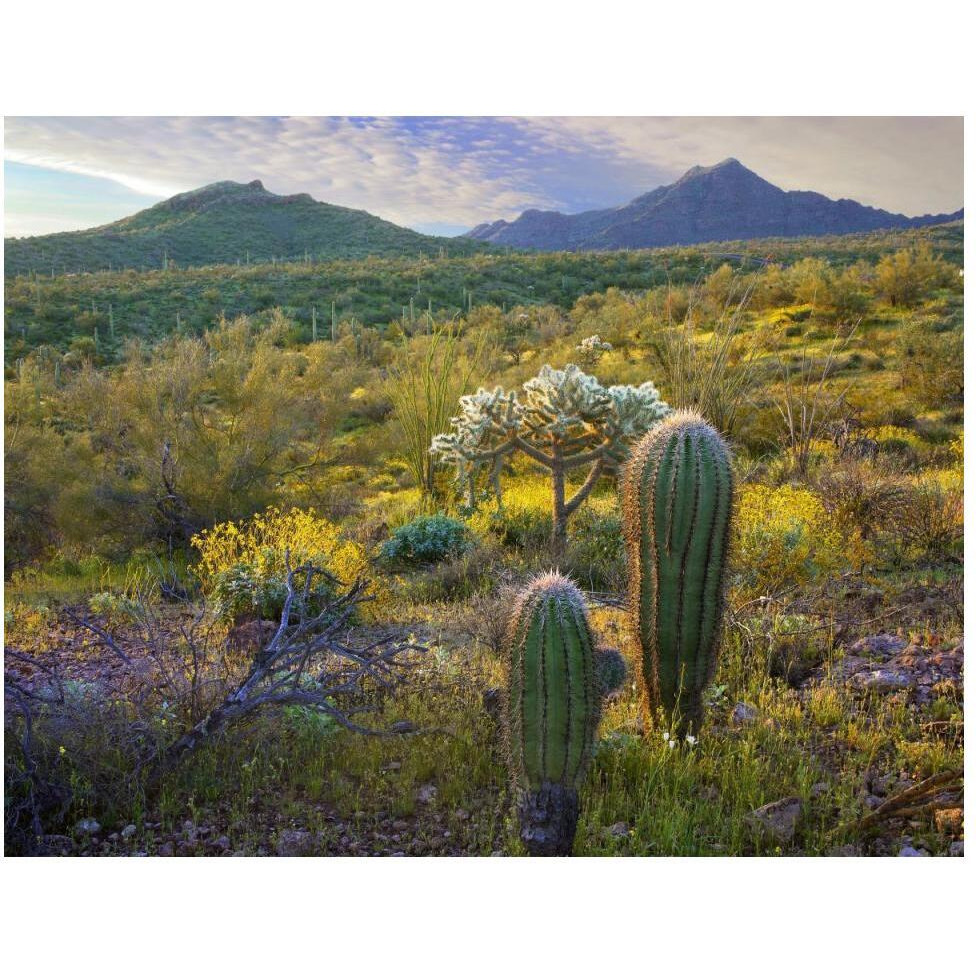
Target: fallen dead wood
[918,799]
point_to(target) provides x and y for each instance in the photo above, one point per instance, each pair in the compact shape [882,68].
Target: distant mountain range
[714,203]
[228,223]
[225,223]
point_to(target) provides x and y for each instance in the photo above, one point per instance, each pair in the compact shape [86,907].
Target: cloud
[460,171]
[912,165]
[406,174]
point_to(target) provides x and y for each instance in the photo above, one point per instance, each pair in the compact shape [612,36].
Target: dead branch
[907,802]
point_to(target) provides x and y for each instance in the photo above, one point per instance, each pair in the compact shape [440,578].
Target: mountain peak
[728,165]
[723,202]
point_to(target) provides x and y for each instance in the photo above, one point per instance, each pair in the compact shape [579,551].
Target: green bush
[248,590]
[596,550]
[426,539]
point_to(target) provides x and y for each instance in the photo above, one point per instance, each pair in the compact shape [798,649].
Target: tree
[564,420]
[905,276]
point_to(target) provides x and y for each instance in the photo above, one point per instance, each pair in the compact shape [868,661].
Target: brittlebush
[242,564]
[784,538]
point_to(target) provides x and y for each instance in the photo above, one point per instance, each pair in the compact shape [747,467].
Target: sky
[445,174]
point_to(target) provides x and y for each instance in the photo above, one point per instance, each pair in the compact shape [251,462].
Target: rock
[884,680]
[167,849]
[427,793]
[779,818]
[743,714]
[844,850]
[88,827]
[55,845]
[909,851]
[619,829]
[819,789]
[873,802]
[461,814]
[222,843]
[949,821]
[956,849]
[294,843]
[129,831]
[885,644]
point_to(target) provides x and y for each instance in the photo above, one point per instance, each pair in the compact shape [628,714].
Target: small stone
[167,849]
[129,831]
[294,843]
[886,644]
[427,793]
[819,789]
[884,680]
[844,850]
[780,818]
[56,844]
[619,829]
[956,849]
[743,714]
[222,843]
[461,814]
[909,851]
[873,802]
[88,827]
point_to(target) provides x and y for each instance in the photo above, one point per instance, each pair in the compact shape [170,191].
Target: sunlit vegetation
[189,427]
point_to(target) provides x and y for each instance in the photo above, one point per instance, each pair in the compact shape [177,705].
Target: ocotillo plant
[552,709]
[677,503]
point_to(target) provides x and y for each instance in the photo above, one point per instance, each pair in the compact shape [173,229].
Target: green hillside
[112,307]
[224,223]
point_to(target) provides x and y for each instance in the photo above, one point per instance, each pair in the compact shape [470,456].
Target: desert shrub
[595,557]
[243,564]
[864,498]
[458,577]
[933,520]
[426,539]
[783,537]
[524,521]
[116,608]
[899,441]
[25,625]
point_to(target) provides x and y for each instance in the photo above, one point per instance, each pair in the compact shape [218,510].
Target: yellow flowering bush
[783,537]
[242,564]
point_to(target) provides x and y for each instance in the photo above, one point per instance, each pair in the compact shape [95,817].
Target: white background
[499,916]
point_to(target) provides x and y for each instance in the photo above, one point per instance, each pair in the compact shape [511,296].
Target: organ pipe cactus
[677,502]
[552,709]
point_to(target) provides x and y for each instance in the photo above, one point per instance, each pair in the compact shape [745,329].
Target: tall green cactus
[552,709]
[677,504]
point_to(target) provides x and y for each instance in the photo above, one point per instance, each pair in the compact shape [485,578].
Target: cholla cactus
[592,348]
[565,419]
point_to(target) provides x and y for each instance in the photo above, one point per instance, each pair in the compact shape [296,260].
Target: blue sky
[443,175]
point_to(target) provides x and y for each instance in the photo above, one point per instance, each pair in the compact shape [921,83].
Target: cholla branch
[562,419]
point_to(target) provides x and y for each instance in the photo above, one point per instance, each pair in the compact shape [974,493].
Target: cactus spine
[552,709]
[677,503]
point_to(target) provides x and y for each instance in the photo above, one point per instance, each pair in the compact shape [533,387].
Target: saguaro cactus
[552,709]
[677,502]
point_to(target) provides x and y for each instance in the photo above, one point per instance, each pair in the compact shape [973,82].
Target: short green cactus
[677,504]
[552,709]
